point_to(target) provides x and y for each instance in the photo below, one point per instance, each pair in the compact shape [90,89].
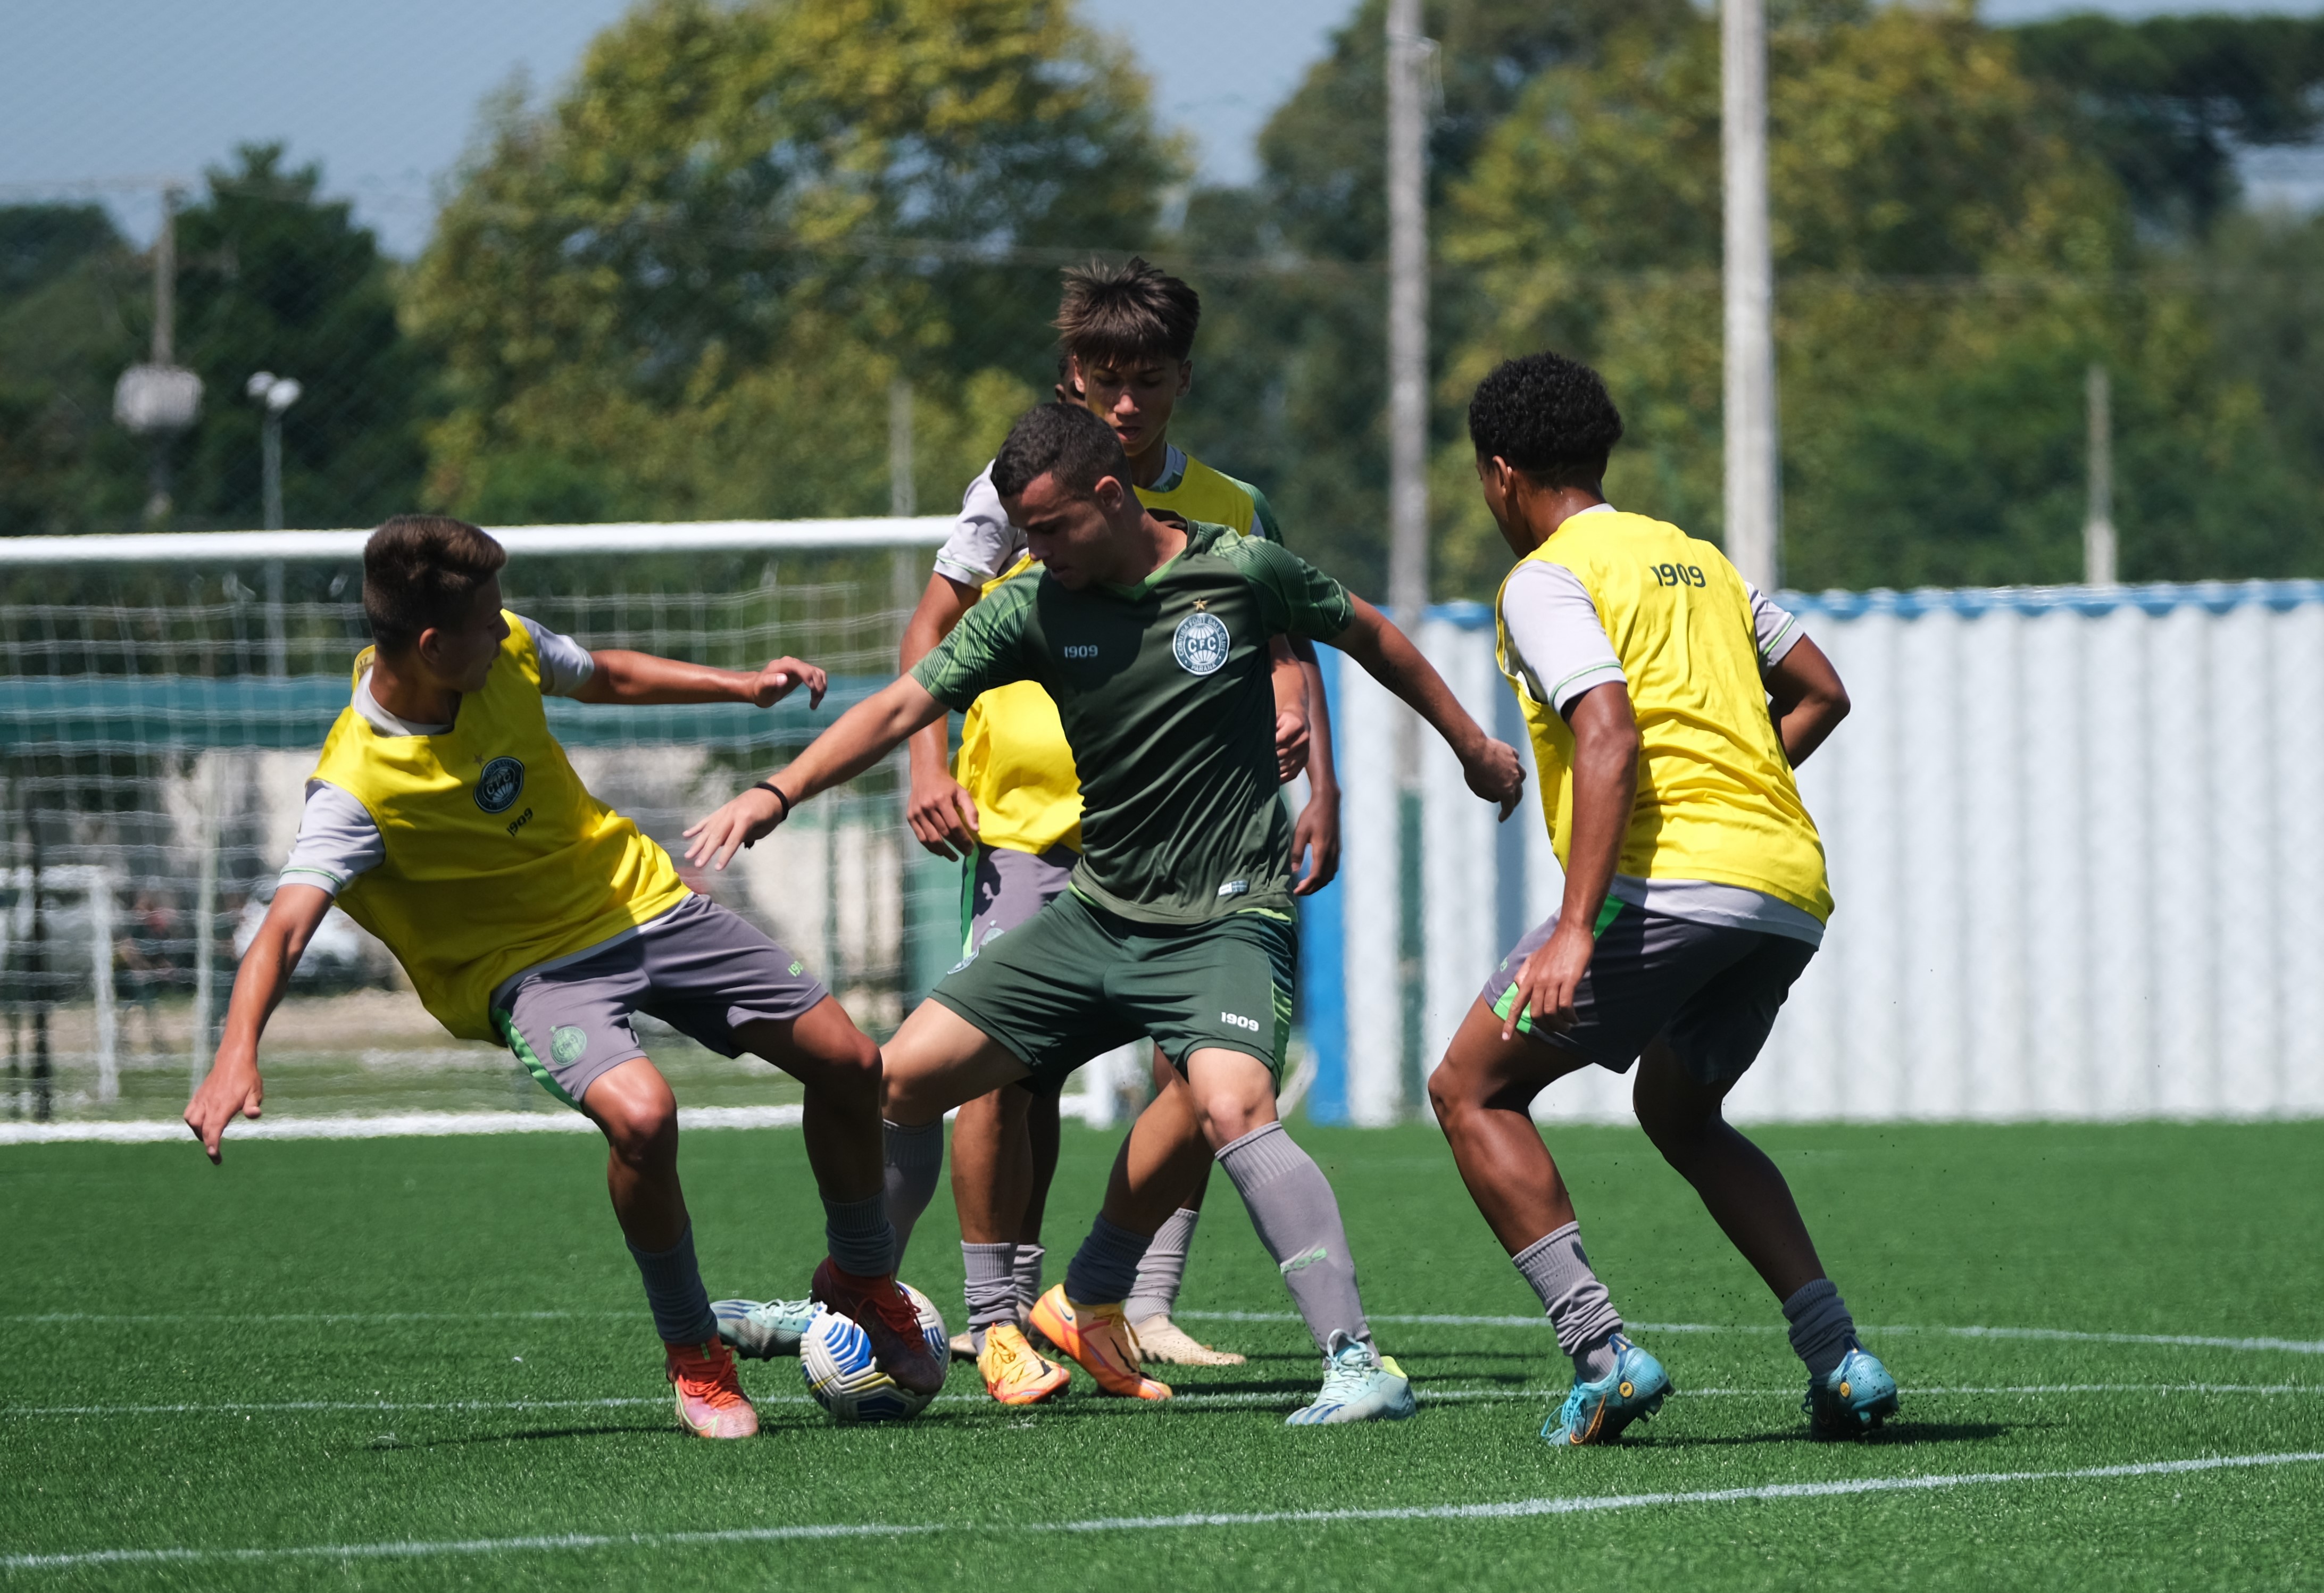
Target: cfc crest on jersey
[499,785]
[1200,643]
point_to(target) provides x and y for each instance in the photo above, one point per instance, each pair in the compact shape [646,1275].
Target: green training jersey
[1166,694]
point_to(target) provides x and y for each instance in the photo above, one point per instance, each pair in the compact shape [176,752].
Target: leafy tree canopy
[682,289]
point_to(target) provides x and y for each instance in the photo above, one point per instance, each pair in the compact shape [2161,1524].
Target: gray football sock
[1105,1265]
[1028,1275]
[1822,1330]
[1297,1216]
[858,1232]
[1578,1305]
[1163,1268]
[673,1292]
[991,1289]
[915,1163]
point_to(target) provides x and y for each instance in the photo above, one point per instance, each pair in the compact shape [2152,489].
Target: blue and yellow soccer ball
[836,1359]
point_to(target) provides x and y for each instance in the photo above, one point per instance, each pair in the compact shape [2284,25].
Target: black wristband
[777,790]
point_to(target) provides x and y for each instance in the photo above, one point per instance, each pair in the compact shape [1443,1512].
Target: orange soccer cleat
[1013,1373]
[710,1399]
[1097,1337]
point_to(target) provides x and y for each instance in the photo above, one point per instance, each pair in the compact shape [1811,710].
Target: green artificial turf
[460,1287]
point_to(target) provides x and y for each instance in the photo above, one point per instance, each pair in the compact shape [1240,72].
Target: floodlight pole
[1407,319]
[1754,506]
[165,330]
[2098,523]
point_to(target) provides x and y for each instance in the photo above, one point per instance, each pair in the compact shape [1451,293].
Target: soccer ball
[836,1359]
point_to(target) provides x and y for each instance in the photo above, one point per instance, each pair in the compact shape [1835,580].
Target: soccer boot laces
[1597,1413]
[1357,1386]
[710,1399]
[888,1317]
[1097,1339]
[1852,1399]
[762,1330]
[1159,1338]
[1012,1373]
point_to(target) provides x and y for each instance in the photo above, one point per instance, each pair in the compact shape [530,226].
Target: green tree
[67,283]
[273,278]
[1947,263]
[1291,373]
[681,290]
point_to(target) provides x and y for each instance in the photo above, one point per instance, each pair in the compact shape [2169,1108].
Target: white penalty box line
[1506,1510]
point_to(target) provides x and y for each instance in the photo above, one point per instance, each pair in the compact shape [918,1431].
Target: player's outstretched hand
[942,816]
[748,817]
[1495,773]
[1546,980]
[1290,747]
[783,676]
[231,1087]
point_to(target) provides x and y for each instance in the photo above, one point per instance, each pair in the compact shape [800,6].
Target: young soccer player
[1011,807]
[1668,702]
[445,819]
[1152,639]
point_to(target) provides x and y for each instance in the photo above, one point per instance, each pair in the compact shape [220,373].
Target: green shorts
[1073,981]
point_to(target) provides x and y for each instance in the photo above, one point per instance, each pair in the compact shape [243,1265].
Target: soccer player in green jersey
[1152,639]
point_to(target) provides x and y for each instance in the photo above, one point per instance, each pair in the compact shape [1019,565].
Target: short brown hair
[1126,312]
[422,571]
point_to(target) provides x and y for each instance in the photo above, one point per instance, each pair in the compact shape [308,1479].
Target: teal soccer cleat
[1852,1400]
[1356,1388]
[762,1330]
[1597,1413]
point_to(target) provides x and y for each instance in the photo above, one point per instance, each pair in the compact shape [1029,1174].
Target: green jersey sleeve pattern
[1296,598]
[984,650]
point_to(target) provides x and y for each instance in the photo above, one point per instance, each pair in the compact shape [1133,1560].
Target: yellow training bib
[1013,760]
[498,858]
[1716,799]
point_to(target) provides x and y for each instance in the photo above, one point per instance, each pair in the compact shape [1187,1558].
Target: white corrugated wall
[2077,839]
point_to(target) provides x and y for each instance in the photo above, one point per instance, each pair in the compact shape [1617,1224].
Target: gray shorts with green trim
[1076,981]
[700,968]
[1002,889]
[1711,992]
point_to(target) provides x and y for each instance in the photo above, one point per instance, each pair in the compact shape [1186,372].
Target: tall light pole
[274,395]
[1407,316]
[2098,522]
[160,398]
[1754,510]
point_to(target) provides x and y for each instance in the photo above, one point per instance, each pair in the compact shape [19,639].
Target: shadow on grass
[1896,1435]
[530,1435]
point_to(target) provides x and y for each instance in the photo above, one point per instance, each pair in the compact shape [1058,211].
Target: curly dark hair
[1065,438]
[1549,416]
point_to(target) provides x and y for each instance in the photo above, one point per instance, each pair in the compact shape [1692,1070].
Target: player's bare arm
[1806,698]
[1292,744]
[1492,767]
[941,812]
[1315,832]
[642,678]
[234,1085]
[1605,787]
[863,735]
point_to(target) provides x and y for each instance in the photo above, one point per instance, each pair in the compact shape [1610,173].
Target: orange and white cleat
[710,1399]
[1013,1373]
[1098,1339]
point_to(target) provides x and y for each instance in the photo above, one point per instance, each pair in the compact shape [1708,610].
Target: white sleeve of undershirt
[338,840]
[1558,644]
[983,542]
[566,665]
[1777,630]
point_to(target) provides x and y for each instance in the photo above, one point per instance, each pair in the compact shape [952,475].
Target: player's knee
[642,1132]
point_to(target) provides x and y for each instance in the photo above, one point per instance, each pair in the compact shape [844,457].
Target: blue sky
[104,97]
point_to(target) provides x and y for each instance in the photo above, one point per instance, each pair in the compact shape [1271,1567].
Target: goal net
[161,702]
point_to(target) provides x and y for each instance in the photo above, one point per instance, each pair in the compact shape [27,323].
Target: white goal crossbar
[707,536]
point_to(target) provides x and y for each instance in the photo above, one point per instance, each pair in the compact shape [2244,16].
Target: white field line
[2066,1335]
[382,1126]
[1507,1510]
[1426,1395]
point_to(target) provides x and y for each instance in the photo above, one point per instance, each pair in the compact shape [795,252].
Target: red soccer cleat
[891,1321]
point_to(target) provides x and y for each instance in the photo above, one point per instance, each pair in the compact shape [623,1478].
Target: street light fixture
[274,394]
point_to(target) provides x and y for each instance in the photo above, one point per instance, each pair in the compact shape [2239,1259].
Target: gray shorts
[1711,991]
[700,968]
[1003,889]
